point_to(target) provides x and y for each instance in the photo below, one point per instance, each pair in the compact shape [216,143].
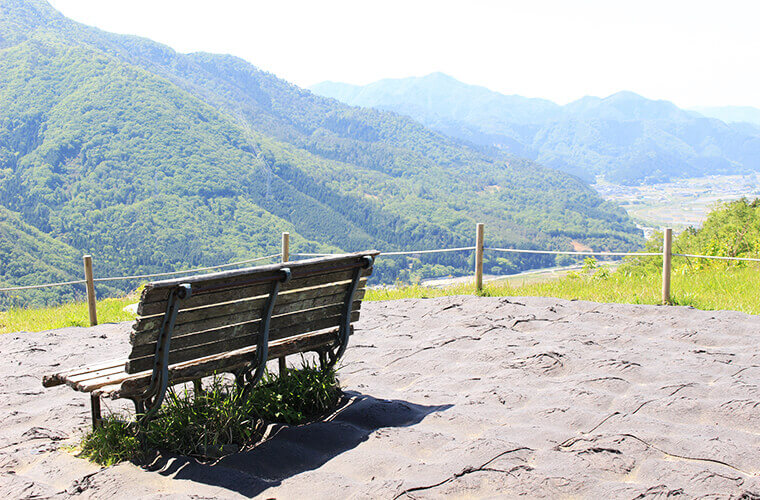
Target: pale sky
[691,52]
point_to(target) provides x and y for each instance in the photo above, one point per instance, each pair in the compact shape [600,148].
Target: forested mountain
[153,160]
[28,257]
[625,138]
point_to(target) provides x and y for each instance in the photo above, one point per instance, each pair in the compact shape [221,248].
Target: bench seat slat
[231,331]
[300,268]
[59,377]
[237,337]
[199,320]
[133,385]
[287,301]
[97,373]
[148,307]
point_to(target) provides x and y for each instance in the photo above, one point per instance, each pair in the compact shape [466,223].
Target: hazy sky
[690,52]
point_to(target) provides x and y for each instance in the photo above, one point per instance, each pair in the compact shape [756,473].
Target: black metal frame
[345,320]
[262,339]
[159,379]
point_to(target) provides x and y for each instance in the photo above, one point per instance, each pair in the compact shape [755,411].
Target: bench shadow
[292,450]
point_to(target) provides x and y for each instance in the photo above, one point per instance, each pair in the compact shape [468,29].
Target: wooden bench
[228,322]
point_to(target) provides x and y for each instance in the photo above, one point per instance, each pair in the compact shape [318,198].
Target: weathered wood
[285,254]
[90,284]
[285,247]
[193,320]
[200,299]
[667,245]
[231,330]
[59,378]
[202,284]
[97,373]
[237,337]
[135,384]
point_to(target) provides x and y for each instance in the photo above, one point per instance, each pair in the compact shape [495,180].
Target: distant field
[681,203]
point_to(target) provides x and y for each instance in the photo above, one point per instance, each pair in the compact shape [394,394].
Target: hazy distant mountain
[624,137]
[731,114]
[153,160]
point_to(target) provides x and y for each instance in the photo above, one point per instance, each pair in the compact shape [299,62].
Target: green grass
[72,314]
[734,287]
[219,421]
[719,287]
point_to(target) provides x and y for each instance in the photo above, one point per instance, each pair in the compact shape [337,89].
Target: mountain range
[731,114]
[624,138]
[152,160]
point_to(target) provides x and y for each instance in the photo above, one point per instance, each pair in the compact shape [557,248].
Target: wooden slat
[159,290]
[148,308]
[306,267]
[227,308]
[238,336]
[146,330]
[60,377]
[97,373]
[280,327]
[220,363]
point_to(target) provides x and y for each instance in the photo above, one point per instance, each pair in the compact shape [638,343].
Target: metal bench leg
[345,320]
[262,341]
[139,407]
[197,387]
[95,411]
[159,380]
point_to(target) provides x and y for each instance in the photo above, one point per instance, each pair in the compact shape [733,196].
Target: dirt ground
[456,396]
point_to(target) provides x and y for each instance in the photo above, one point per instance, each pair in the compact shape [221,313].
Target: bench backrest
[224,310]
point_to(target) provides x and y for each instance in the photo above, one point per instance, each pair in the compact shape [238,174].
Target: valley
[680,203]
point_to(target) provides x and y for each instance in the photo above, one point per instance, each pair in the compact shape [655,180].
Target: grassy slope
[712,288]
[709,289]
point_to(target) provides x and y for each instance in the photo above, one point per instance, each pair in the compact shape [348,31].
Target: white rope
[188,270]
[29,287]
[141,276]
[383,254]
[558,252]
[718,257]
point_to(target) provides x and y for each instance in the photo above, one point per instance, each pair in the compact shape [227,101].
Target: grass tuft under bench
[220,420]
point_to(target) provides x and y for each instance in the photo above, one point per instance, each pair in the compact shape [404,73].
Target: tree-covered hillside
[28,257]
[152,161]
[624,137]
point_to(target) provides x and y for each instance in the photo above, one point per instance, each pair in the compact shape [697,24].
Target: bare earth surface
[458,396]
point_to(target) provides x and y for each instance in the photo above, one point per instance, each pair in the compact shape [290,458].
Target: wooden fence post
[89,279]
[479,257]
[285,247]
[283,366]
[667,245]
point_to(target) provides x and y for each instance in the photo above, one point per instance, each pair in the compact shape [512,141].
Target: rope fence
[560,252]
[479,250]
[717,257]
[196,270]
[46,285]
[139,276]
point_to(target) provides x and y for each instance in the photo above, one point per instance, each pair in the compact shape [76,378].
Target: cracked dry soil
[456,396]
